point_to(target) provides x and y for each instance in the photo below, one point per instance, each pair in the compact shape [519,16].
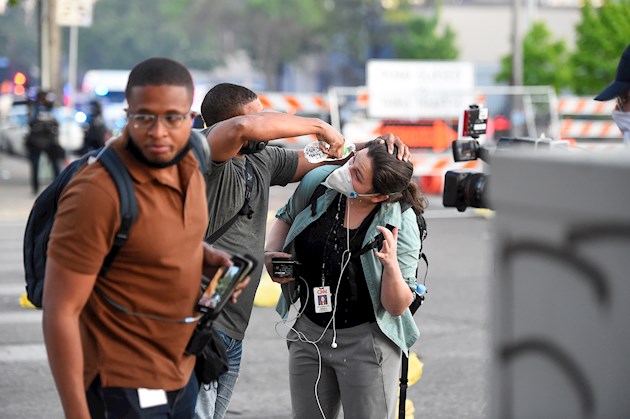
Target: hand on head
[394,143]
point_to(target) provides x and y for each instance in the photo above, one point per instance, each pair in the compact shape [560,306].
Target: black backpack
[42,215]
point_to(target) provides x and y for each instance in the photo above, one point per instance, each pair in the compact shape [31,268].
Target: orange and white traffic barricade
[581,128]
[576,105]
[295,103]
[430,169]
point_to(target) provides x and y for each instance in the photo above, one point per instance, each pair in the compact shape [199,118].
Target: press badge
[149,397]
[322,299]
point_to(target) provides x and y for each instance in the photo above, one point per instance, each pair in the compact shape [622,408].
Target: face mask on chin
[341,181]
[622,119]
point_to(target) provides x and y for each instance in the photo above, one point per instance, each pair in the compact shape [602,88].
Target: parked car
[13,128]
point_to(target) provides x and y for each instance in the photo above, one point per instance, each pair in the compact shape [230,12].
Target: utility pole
[517,115]
[50,47]
[517,43]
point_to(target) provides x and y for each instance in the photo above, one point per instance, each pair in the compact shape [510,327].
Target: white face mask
[622,119]
[341,181]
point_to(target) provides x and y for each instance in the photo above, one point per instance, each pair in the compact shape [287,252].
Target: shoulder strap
[319,191]
[246,209]
[199,150]
[128,205]
[402,396]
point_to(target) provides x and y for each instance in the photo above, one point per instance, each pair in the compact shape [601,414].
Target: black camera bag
[213,359]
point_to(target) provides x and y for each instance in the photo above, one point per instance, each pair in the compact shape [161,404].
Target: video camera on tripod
[466,188]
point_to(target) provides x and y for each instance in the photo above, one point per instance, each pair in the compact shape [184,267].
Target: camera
[285,267]
[466,188]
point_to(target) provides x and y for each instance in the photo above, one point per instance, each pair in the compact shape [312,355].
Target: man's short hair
[159,71]
[225,101]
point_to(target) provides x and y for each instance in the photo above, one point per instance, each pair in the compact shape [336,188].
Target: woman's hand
[269,265]
[387,254]
[395,293]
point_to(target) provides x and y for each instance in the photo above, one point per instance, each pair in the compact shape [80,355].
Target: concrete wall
[484,32]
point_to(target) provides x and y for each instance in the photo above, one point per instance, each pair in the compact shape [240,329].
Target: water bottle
[314,154]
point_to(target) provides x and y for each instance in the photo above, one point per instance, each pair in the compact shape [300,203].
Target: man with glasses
[116,341]
[619,89]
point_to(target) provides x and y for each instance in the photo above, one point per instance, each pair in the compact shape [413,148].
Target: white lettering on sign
[419,89]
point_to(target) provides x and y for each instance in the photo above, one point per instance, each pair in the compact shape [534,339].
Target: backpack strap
[128,205]
[246,209]
[200,151]
[402,396]
[319,191]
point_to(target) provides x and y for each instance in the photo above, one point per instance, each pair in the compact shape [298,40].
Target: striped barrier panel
[581,128]
[579,105]
[429,170]
[302,103]
[585,118]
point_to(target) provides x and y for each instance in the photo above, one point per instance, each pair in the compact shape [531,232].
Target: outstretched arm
[227,137]
[304,166]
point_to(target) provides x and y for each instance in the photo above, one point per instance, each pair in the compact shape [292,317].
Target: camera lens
[474,190]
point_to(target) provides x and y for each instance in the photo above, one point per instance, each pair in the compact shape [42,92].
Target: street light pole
[50,47]
[72,64]
[517,115]
[517,44]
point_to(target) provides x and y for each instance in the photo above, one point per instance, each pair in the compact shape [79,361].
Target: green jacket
[402,330]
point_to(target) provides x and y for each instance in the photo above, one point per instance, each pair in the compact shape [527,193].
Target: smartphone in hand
[221,286]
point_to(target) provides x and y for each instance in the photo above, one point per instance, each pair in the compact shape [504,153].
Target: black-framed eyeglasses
[147,120]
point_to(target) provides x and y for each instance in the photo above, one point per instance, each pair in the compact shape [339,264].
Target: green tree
[602,35]
[125,32]
[418,37]
[545,62]
[275,32]
[21,50]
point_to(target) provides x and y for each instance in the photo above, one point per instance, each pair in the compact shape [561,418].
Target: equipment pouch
[211,353]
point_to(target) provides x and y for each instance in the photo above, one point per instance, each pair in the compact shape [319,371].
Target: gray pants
[361,373]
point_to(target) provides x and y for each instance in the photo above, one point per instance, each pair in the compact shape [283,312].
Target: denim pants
[214,398]
[122,402]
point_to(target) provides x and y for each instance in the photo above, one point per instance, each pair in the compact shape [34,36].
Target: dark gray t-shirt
[225,188]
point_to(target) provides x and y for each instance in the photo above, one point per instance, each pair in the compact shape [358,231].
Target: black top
[323,244]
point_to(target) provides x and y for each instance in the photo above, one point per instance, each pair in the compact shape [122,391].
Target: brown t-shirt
[157,272]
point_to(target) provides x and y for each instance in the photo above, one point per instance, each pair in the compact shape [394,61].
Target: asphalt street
[454,342]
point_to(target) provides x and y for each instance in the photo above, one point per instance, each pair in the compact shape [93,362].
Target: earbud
[333,345]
